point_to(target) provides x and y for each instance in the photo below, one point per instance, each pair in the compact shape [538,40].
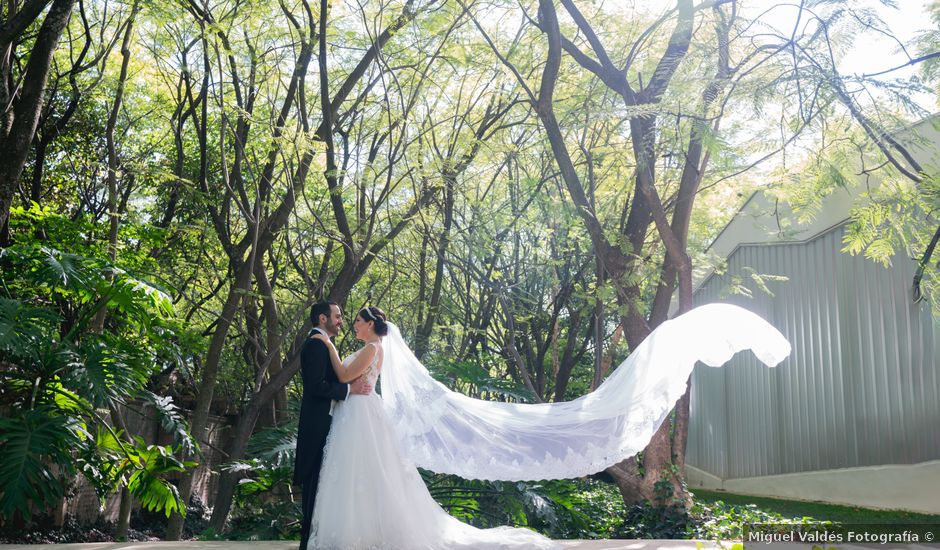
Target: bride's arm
[334,356]
[359,364]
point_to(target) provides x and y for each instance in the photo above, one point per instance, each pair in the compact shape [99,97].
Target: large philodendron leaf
[23,329]
[155,493]
[35,454]
[139,300]
[275,446]
[147,483]
[91,283]
[109,370]
[61,269]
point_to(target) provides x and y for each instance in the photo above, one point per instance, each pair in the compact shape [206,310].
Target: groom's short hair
[321,308]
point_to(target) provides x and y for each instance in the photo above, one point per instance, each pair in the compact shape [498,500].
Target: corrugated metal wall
[861,387]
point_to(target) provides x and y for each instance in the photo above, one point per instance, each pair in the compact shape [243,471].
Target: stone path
[291,545]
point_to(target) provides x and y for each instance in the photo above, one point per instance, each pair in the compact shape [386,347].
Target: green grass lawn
[816,510]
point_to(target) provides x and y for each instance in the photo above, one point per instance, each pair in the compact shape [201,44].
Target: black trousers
[308,499]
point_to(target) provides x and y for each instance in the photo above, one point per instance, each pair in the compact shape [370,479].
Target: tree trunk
[424,332]
[114,211]
[228,481]
[35,189]
[271,314]
[568,360]
[124,516]
[124,509]
[26,109]
[210,374]
[661,469]
[655,476]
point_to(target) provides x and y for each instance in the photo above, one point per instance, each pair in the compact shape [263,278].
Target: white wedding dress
[372,497]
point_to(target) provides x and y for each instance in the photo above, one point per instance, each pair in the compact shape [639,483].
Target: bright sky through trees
[906,19]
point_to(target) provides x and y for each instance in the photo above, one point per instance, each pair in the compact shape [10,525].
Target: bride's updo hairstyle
[377,316]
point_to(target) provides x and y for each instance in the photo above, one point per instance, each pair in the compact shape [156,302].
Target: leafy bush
[475,378]
[581,509]
[265,507]
[703,521]
[721,521]
[78,337]
[646,521]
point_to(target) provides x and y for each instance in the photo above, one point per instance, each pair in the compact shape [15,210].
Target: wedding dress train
[371,495]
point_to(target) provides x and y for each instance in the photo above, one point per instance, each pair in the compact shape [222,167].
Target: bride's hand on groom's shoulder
[323,338]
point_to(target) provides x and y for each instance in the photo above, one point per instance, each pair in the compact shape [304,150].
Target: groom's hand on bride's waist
[360,387]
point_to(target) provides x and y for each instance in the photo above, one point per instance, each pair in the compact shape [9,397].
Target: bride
[370,494]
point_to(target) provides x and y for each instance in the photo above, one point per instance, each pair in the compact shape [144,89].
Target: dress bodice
[371,374]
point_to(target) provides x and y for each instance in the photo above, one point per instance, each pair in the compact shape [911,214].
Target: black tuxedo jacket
[321,386]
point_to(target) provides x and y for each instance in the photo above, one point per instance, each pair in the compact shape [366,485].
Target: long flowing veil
[447,432]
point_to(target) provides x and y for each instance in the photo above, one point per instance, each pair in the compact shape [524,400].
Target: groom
[321,388]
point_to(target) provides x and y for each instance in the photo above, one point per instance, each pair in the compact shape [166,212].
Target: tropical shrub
[265,506]
[79,337]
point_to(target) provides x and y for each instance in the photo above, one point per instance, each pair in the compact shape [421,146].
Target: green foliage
[150,463]
[706,520]
[78,336]
[895,221]
[33,445]
[140,467]
[646,521]
[580,509]
[819,511]
[740,285]
[893,212]
[265,508]
[171,420]
[718,520]
[477,379]
[485,503]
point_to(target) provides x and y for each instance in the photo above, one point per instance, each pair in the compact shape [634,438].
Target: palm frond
[108,370]
[23,329]
[172,420]
[30,444]
[276,446]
